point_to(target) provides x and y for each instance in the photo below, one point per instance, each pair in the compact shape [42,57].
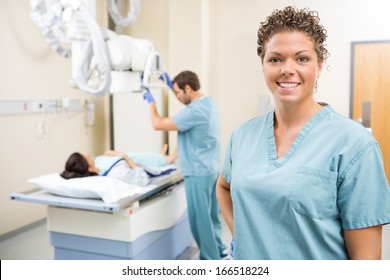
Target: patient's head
[79,165]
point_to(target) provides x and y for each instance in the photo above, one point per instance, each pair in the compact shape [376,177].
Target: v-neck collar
[275,162]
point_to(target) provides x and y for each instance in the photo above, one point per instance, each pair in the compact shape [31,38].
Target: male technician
[198,126]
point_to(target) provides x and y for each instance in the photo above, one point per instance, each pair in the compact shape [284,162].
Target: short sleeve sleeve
[364,194]
[185,120]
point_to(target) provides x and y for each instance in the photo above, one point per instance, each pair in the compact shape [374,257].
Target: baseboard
[20,230]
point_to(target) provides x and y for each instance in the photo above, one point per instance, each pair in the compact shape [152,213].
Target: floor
[34,244]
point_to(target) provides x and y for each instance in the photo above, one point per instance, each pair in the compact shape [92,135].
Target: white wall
[237,80]
[236,74]
[29,69]
[179,31]
[215,38]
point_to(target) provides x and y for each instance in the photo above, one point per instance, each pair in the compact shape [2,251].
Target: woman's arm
[131,163]
[364,243]
[225,202]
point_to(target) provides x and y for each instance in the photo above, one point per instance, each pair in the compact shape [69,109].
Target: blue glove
[148,96]
[165,77]
[232,248]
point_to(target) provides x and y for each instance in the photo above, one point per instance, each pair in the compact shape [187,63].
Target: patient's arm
[171,158]
[131,163]
[168,158]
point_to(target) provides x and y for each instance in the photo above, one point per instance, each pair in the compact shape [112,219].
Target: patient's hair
[76,167]
[291,19]
[187,78]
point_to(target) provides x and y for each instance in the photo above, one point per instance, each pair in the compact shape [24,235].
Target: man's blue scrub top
[199,147]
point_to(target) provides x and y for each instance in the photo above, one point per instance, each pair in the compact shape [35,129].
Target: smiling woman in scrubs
[302,181]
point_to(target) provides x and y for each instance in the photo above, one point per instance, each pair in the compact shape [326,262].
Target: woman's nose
[287,68]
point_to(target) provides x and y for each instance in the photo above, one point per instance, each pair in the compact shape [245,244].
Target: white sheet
[109,189]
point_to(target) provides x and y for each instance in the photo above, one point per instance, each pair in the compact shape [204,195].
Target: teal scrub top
[296,207]
[199,141]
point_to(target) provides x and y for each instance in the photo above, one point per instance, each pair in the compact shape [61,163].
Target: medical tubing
[51,22]
[116,16]
[94,48]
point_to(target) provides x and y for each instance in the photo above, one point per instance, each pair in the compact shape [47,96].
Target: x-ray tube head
[127,53]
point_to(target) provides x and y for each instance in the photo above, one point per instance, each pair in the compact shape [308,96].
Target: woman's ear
[319,71]
[93,169]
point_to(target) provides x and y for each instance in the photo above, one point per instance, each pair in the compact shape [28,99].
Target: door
[371,91]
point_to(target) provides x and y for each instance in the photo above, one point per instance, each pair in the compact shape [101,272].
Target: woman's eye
[273,60]
[303,59]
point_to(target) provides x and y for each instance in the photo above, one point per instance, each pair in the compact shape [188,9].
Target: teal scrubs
[199,160]
[297,206]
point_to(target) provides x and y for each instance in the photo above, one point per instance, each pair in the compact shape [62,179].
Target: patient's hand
[131,163]
[114,153]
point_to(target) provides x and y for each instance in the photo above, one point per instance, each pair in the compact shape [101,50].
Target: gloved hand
[232,248]
[148,96]
[165,77]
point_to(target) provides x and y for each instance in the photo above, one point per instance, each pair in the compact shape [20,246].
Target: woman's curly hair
[291,19]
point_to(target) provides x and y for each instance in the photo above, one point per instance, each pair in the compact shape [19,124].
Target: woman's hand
[131,163]
[114,153]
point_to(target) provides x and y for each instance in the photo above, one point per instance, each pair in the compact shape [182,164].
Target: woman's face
[91,163]
[291,67]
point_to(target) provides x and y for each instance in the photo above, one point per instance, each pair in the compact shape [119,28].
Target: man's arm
[364,243]
[158,122]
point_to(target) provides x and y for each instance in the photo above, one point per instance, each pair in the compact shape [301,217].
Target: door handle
[366,111]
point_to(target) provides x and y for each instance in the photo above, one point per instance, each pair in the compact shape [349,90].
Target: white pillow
[109,189]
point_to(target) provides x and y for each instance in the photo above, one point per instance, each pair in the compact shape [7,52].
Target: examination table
[153,225]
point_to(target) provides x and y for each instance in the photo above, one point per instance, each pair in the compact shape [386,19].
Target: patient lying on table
[132,168]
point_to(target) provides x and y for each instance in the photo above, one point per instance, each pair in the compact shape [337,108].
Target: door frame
[353,45]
